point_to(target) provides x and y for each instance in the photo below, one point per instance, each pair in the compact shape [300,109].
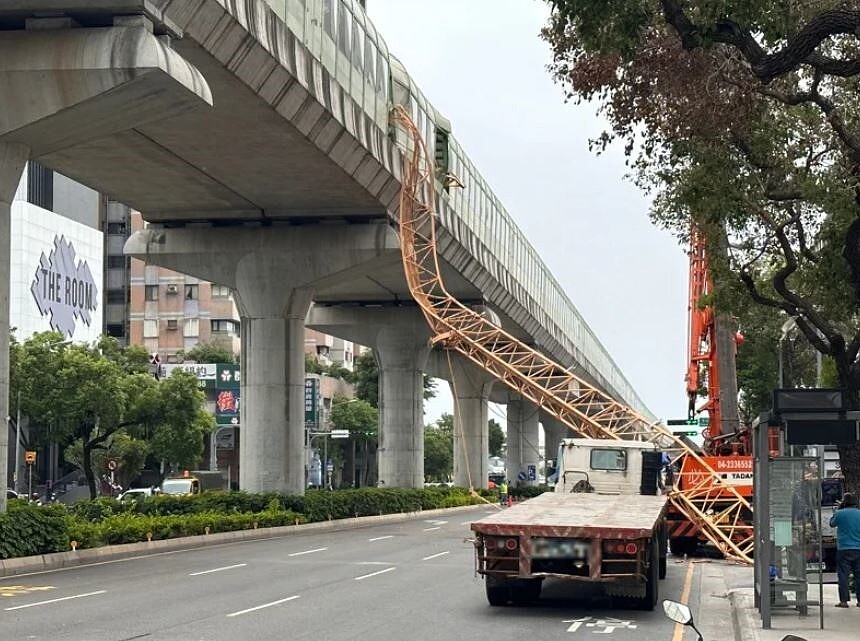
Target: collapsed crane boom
[583,408]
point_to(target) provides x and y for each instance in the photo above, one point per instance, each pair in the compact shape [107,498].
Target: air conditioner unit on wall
[172,289]
[172,324]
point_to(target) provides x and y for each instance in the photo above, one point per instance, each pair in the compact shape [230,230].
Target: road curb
[744,621]
[107,553]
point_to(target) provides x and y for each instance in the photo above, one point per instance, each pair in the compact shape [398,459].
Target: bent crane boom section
[586,410]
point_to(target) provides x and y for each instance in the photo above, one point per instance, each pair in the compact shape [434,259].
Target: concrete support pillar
[401,353]
[272,434]
[523,447]
[12,161]
[399,337]
[553,431]
[470,388]
[274,272]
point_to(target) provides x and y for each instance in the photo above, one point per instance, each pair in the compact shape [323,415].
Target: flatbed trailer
[618,540]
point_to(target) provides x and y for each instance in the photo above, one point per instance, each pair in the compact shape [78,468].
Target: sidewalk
[839,624]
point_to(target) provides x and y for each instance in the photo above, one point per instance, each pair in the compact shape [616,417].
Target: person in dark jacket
[846,520]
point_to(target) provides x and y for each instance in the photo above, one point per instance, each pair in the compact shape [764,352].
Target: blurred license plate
[546,548]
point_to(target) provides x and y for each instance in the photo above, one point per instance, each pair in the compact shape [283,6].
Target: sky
[482,64]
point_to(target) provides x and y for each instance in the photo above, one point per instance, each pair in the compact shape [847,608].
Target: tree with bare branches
[741,118]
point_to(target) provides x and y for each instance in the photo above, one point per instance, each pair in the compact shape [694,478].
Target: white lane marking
[430,529]
[226,567]
[435,556]
[308,551]
[372,563]
[65,598]
[265,605]
[467,523]
[436,522]
[380,538]
[367,576]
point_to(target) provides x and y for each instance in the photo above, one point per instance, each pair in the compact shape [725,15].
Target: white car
[137,493]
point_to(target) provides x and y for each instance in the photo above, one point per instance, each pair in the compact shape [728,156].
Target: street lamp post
[17,445]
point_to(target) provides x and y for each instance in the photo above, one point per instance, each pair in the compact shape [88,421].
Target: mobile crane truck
[604,523]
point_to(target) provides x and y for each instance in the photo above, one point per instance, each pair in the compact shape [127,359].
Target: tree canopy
[87,396]
[439,449]
[740,118]
[496,438]
[208,352]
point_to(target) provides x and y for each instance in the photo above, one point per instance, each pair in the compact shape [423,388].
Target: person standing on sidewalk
[846,520]
[503,493]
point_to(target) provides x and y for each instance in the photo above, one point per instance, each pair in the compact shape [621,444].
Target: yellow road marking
[685,594]
[18,590]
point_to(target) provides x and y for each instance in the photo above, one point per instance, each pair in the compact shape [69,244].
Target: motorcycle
[680,613]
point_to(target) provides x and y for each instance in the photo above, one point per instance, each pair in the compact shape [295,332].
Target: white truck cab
[608,467]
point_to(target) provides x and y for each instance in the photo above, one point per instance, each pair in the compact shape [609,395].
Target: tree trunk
[849,462]
[726,328]
[88,469]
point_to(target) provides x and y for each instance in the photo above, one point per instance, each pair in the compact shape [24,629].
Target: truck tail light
[511,544]
[490,543]
[620,547]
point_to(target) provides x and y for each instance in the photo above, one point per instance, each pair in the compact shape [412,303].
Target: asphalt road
[411,580]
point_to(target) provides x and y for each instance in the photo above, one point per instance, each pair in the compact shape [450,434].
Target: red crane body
[702,336]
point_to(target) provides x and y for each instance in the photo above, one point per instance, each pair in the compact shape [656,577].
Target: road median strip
[114,553]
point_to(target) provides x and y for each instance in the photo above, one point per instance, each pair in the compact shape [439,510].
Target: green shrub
[529,491]
[132,528]
[27,529]
[106,521]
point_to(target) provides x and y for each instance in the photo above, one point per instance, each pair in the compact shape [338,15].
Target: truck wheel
[497,591]
[663,543]
[527,591]
[652,584]
[683,545]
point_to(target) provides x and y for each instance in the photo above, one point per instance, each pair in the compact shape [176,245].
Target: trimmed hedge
[27,529]
[106,521]
[529,492]
[134,528]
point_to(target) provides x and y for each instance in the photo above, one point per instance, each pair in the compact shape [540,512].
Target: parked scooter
[680,613]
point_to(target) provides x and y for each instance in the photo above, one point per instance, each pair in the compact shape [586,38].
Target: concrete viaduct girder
[274,138]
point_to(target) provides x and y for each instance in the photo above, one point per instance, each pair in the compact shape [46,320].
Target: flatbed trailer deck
[617,516]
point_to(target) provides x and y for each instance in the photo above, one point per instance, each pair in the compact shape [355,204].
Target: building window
[229,327]
[150,329]
[191,293]
[191,328]
[150,292]
[116,229]
[117,330]
[116,262]
[115,297]
[40,186]
[220,291]
[172,323]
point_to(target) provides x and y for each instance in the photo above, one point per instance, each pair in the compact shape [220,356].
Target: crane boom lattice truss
[583,408]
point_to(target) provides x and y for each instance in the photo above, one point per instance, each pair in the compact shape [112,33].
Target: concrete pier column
[553,431]
[401,353]
[12,161]
[470,388]
[274,272]
[399,337]
[523,447]
[272,437]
